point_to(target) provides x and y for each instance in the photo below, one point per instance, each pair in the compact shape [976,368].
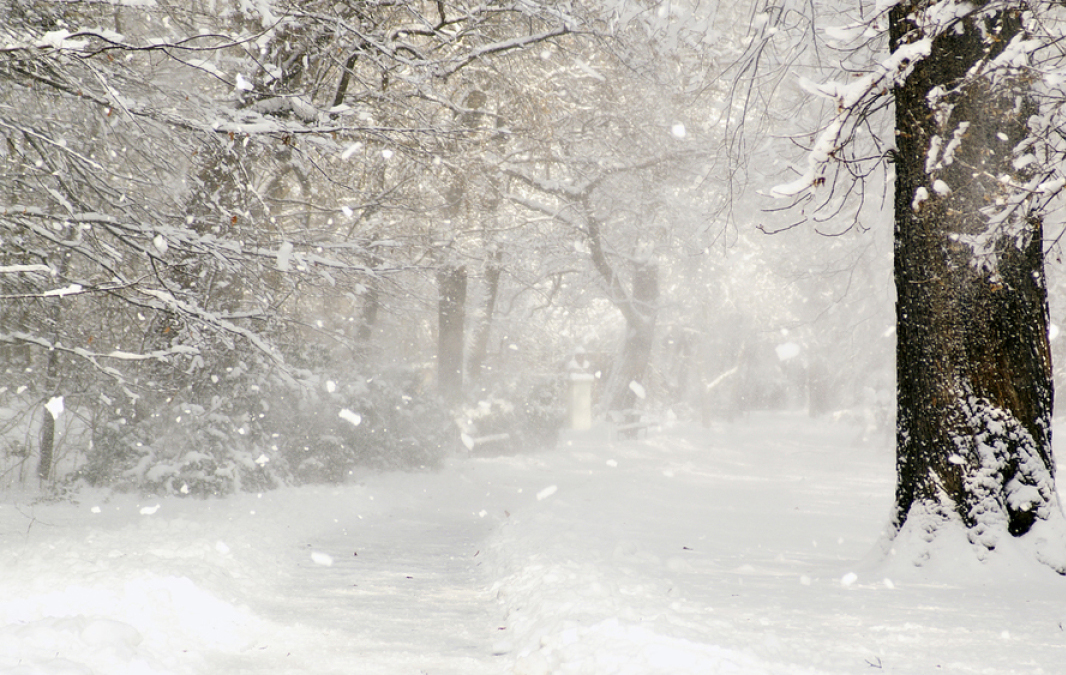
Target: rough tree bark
[974,388]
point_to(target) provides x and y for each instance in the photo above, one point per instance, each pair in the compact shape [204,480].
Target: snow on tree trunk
[973,361]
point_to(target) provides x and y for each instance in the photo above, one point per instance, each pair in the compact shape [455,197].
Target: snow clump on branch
[849,98]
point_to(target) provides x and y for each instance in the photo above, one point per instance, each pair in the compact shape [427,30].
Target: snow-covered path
[372,594]
[738,549]
[379,577]
[377,606]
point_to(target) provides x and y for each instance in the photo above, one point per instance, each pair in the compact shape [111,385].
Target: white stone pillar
[581,401]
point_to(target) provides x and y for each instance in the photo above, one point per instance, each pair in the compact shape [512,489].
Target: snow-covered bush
[520,414]
[213,441]
[206,451]
[383,422]
[254,436]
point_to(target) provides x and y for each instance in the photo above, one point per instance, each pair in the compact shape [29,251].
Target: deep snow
[745,548]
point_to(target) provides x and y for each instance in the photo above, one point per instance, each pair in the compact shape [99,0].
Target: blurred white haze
[297,298]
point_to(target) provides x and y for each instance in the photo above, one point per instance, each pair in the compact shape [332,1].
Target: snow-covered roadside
[747,550]
[734,549]
[378,577]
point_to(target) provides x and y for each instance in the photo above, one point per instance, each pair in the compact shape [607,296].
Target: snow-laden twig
[849,98]
[501,46]
[21,269]
[167,301]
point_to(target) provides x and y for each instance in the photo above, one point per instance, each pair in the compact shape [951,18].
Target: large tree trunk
[974,388]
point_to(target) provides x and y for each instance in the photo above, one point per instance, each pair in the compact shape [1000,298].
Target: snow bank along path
[738,549]
[381,577]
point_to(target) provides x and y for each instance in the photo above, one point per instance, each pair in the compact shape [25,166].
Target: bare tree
[177,178]
[615,161]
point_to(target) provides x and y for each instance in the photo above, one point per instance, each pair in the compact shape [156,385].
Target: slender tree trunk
[52,378]
[451,317]
[368,312]
[47,447]
[640,309]
[640,337]
[974,387]
[368,315]
[481,338]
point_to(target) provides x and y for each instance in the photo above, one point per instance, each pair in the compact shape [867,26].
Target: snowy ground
[739,549]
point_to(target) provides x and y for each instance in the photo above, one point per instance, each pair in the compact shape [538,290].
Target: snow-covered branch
[498,47]
[850,99]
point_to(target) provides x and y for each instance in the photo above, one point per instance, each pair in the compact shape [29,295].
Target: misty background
[252,244]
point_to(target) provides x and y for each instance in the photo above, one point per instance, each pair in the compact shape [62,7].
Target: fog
[528,337]
[214,250]
[219,249]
